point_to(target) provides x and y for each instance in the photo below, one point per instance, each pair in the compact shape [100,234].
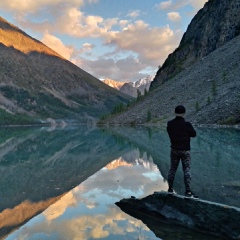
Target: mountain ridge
[131,88]
[12,36]
[37,82]
[214,25]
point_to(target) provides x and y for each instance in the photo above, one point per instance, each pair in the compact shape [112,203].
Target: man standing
[180,133]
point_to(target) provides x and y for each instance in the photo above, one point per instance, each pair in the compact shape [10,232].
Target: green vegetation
[237,30]
[7,133]
[118,108]
[139,95]
[229,121]
[145,92]
[149,115]
[121,107]
[19,95]
[15,119]
[214,88]
[197,106]
[224,75]
[208,100]
[42,104]
[49,106]
[132,123]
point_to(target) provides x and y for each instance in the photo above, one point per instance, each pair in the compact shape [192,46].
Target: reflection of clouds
[122,180]
[89,226]
[89,210]
[58,208]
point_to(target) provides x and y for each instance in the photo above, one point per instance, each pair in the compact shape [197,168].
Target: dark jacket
[180,132]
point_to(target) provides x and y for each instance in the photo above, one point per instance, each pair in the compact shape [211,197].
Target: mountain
[131,88]
[142,84]
[215,24]
[114,84]
[38,83]
[118,163]
[128,89]
[209,89]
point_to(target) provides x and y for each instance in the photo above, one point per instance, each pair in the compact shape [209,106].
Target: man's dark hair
[180,109]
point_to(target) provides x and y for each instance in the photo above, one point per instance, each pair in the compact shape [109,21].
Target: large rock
[217,219]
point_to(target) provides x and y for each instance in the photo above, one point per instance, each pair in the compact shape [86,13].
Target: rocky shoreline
[215,219]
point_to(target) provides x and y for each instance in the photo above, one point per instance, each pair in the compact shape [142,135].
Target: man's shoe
[171,191]
[190,194]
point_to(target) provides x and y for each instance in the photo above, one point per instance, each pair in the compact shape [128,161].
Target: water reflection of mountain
[215,160]
[38,167]
[134,157]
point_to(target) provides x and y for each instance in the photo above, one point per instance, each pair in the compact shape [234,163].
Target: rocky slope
[215,24]
[36,81]
[210,90]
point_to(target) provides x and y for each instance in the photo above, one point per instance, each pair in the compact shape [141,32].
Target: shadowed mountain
[35,81]
[215,24]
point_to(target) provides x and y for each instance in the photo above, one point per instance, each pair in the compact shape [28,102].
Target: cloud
[164,5]
[123,23]
[87,47]
[71,21]
[139,44]
[116,182]
[58,208]
[57,45]
[74,23]
[174,17]
[126,69]
[89,226]
[105,219]
[197,4]
[144,41]
[135,40]
[137,37]
[178,4]
[27,6]
[134,14]
[92,1]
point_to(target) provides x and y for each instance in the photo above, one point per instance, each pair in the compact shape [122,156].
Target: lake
[62,183]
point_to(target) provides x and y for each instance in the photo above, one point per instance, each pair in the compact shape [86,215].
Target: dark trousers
[176,156]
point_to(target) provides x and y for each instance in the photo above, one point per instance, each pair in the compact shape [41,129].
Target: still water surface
[63,183]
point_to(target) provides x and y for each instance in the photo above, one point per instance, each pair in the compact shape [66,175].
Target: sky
[123,40]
